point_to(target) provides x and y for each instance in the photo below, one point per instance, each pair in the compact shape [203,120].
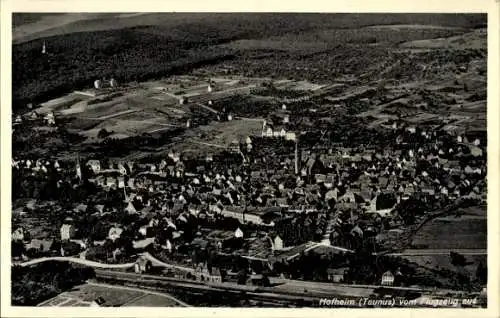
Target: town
[233,181]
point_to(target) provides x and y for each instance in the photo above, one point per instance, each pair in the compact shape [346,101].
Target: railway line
[169,285]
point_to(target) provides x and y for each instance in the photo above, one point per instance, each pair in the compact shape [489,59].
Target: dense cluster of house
[171,192]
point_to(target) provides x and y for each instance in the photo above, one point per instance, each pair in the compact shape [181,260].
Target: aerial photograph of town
[286,160]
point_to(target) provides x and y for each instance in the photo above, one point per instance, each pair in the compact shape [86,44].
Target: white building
[278,243]
[114,233]
[113,83]
[18,234]
[269,132]
[238,233]
[67,232]
[95,165]
[387,279]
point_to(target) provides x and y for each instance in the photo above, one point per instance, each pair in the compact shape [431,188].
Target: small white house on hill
[238,233]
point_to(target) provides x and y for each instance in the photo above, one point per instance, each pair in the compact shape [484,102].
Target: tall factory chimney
[296,156]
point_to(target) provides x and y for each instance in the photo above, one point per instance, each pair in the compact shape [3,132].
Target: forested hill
[132,47]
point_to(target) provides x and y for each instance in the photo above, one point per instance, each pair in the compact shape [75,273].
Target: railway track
[169,285]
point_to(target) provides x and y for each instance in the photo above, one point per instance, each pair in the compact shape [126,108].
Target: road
[250,119]
[431,252]
[206,144]
[76,260]
[125,112]
[81,261]
[283,289]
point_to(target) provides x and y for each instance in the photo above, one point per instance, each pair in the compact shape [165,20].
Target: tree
[242,276]
[482,273]
[457,259]
[71,248]
[17,249]
[103,133]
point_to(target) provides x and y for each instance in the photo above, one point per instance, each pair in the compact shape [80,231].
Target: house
[277,243]
[336,275]
[215,275]
[95,165]
[144,230]
[121,182]
[330,179]
[444,190]
[98,302]
[238,233]
[290,135]
[130,209]
[235,146]
[282,202]
[50,119]
[348,197]
[18,234]
[320,178]
[34,115]
[268,132]
[42,245]
[142,265]
[122,169]
[168,246]
[383,182]
[114,233]
[142,244]
[100,181]
[111,182]
[332,195]
[387,279]
[428,190]
[67,232]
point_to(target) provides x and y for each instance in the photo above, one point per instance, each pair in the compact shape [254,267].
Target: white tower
[44,48]
[78,168]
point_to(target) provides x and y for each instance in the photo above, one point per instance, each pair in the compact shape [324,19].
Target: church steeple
[78,168]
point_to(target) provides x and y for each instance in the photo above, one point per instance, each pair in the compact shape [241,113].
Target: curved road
[81,261]
[74,260]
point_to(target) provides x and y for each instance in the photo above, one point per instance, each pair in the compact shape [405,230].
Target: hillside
[135,47]
[29,26]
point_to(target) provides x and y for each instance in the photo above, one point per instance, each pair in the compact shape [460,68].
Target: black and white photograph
[249,160]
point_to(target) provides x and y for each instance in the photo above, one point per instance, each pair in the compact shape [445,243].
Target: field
[464,232]
[114,296]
